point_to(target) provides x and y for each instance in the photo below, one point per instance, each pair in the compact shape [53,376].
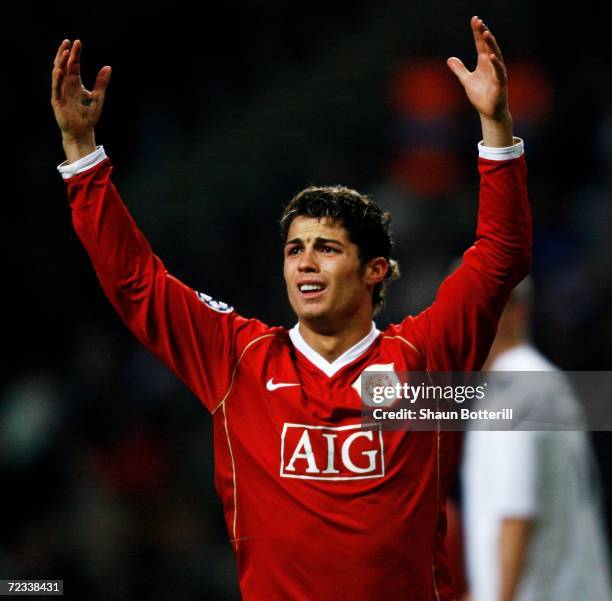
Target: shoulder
[546,395]
[254,335]
[238,330]
[401,336]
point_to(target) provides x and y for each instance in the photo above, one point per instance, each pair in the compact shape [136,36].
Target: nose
[307,262]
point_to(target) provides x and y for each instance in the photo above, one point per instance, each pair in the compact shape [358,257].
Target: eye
[293,250]
[329,249]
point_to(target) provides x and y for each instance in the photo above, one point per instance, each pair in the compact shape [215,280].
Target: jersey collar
[344,359]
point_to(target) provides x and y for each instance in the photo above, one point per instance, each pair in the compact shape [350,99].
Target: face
[326,283]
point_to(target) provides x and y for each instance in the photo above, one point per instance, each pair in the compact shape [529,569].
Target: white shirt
[548,476]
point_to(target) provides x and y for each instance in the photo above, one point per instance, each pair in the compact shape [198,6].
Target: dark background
[214,118]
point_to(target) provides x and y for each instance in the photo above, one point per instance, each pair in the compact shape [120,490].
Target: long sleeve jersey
[317,507]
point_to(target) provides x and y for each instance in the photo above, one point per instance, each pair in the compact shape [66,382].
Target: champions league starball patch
[215,305]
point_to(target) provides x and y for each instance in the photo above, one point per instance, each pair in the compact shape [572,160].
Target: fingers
[478,29]
[74,60]
[484,39]
[481,37]
[102,81]
[68,63]
[56,84]
[492,43]
[59,71]
[458,68]
[65,44]
[500,69]
[488,45]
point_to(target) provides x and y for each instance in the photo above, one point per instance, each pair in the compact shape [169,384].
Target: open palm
[486,86]
[76,109]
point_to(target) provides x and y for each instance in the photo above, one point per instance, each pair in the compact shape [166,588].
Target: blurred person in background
[349,513]
[533,522]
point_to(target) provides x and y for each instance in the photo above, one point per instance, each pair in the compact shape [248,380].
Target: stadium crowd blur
[213,124]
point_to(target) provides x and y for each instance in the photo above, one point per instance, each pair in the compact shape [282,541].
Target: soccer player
[533,523]
[317,507]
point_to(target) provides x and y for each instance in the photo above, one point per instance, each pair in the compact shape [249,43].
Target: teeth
[310,287]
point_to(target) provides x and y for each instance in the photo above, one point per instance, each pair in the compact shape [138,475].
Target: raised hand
[76,109]
[487,86]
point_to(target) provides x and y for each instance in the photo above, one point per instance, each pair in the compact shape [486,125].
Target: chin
[312,315]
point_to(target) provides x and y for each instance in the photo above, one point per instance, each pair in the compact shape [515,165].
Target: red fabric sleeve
[456,332]
[200,341]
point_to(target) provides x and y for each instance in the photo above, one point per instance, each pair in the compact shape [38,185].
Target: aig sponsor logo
[326,453]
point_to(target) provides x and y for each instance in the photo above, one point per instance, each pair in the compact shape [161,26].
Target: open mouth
[311,289]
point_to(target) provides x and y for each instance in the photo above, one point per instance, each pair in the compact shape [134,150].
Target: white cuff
[501,154]
[69,170]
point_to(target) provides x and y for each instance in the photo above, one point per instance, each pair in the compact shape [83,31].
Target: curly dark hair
[366,224]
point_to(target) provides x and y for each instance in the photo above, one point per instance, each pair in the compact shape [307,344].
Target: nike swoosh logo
[270,385]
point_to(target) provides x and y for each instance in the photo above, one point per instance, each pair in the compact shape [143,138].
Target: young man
[316,507]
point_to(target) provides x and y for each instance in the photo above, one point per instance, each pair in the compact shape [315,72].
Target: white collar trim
[344,359]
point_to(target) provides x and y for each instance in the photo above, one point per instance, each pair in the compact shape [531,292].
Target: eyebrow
[318,240]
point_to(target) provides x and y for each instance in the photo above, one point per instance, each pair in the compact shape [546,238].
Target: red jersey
[317,508]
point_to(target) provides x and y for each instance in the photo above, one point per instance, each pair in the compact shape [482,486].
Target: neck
[331,344]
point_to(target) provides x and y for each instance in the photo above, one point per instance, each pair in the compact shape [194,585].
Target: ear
[376,270]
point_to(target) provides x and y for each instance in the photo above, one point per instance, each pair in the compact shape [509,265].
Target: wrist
[78,147]
[497,131]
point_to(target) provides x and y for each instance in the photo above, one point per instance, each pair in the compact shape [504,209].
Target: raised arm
[455,333]
[76,109]
[196,337]
[487,86]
